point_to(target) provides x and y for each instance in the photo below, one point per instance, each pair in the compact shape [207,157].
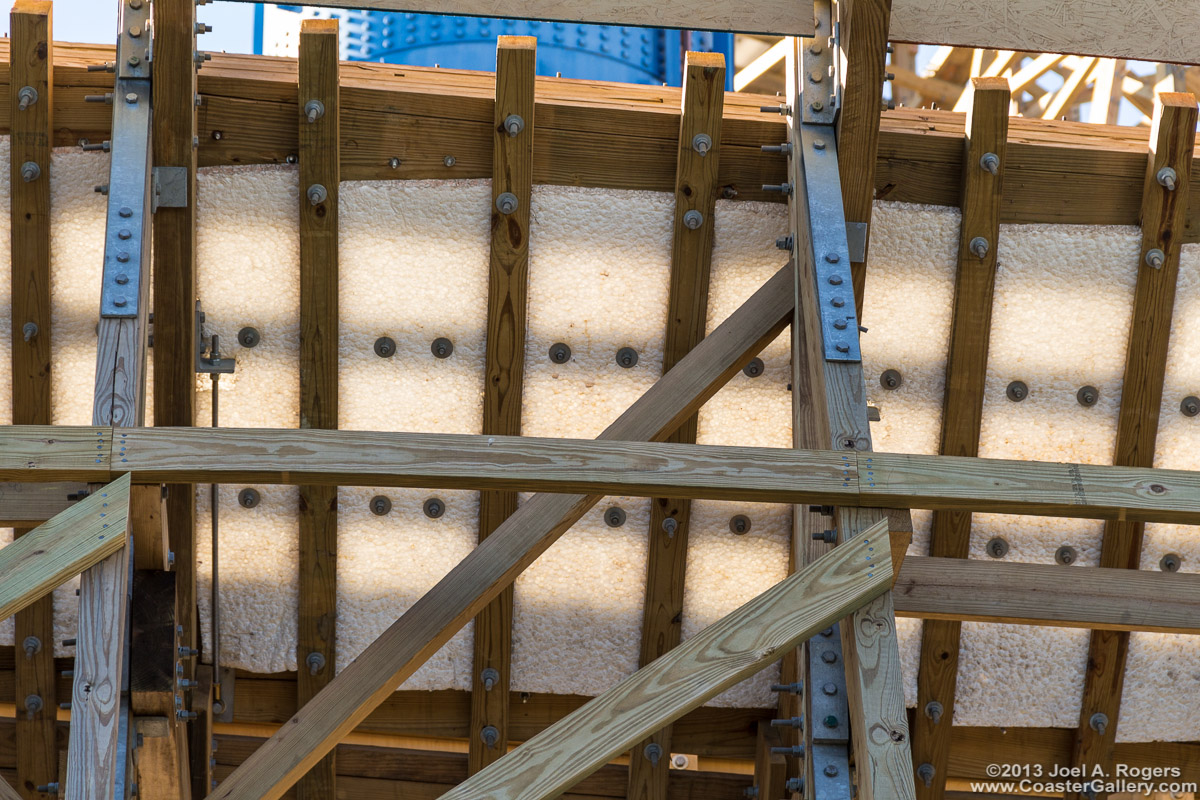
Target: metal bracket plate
[828,711]
[134,43]
[831,772]
[831,251]
[127,232]
[819,68]
[856,238]
[170,188]
[226,682]
[205,364]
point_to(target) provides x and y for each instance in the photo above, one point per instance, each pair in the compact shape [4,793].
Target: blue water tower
[597,52]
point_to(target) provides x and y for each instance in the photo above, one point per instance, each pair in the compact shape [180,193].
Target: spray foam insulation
[414,262]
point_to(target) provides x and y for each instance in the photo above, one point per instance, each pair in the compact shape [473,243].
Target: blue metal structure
[598,52]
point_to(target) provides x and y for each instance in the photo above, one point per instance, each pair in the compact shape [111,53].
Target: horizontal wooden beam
[1083,27]
[58,550]
[27,505]
[735,647]
[757,16]
[460,461]
[1047,594]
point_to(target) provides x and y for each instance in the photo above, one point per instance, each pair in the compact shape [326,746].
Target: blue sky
[96,21]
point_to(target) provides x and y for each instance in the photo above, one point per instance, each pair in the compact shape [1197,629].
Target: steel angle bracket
[127,229]
[831,251]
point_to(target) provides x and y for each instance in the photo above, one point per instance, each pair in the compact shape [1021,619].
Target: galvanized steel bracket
[820,79]
[127,230]
[170,188]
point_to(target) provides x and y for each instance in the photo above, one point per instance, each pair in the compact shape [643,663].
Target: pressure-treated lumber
[148,527]
[832,409]
[760,16]
[696,191]
[1083,27]
[1163,215]
[738,645]
[95,753]
[59,549]
[27,505]
[770,767]
[173,126]
[864,37]
[7,792]
[962,407]
[319,167]
[496,562]
[1100,598]
[504,368]
[31,59]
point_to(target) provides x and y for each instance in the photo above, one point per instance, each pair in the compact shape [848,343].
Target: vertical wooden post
[770,767]
[30,112]
[984,154]
[864,40]
[504,371]
[696,188]
[319,175]
[1164,214]
[174,126]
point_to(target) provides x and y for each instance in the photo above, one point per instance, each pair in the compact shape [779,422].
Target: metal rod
[214,354]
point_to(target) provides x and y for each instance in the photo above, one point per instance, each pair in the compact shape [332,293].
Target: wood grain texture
[761,16]
[1164,213]
[864,41]
[31,59]
[738,645]
[27,505]
[874,689]
[1100,598]
[99,674]
[504,366]
[962,406]
[163,772]
[148,527]
[770,768]
[62,453]
[56,551]
[173,125]
[696,190]
[497,561]
[1138,29]
[319,165]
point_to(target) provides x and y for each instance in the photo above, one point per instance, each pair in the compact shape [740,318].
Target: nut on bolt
[380,505]
[1190,406]
[1017,391]
[442,347]
[1170,562]
[1099,722]
[978,247]
[433,508]
[1155,257]
[314,110]
[926,772]
[891,379]
[385,347]
[249,498]
[317,194]
[739,524]
[693,219]
[997,547]
[1065,555]
[1087,396]
[507,203]
[490,678]
[514,124]
[627,357]
[315,662]
[560,353]
[990,162]
[1167,177]
[490,736]
[614,517]
[702,143]
[934,710]
[26,97]
[30,171]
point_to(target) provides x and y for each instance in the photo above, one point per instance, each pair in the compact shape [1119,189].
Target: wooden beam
[1087,27]
[1100,598]
[173,128]
[56,551]
[27,505]
[7,792]
[865,39]
[496,562]
[829,407]
[95,755]
[148,527]
[760,16]
[316,654]
[740,644]
[31,85]
[504,368]
[696,192]
[770,766]
[1164,210]
[962,407]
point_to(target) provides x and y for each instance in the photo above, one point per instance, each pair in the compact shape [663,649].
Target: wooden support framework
[829,407]
[319,178]
[1164,210]
[864,41]
[174,291]
[696,192]
[738,645]
[984,159]
[770,765]
[504,367]
[496,562]
[31,94]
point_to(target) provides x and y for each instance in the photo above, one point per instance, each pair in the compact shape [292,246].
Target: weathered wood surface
[962,405]
[59,453]
[61,548]
[27,505]
[504,367]
[761,16]
[738,645]
[1100,598]
[497,561]
[1164,212]
[1139,30]
[696,191]
[319,166]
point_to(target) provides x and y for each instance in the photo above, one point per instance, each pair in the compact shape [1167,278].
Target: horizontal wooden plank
[27,505]
[1114,28]
[738,645]
[1048,594]
[54,453]
[756,16]
[58,550]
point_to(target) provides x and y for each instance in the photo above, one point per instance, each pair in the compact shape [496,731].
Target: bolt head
[442,347]
[385,347]
[693,219]
[249,337]
[1017,391]
[830,770]
[380,505]
[614,517]
[739,524]
[434,508]
[997,547]
[249,498]
[754,368]
[560,353]
[1190,406]
[1170,562]
[1087,396]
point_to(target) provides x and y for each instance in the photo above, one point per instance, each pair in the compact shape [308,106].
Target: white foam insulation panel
[414,260]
